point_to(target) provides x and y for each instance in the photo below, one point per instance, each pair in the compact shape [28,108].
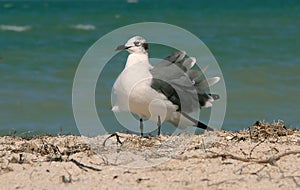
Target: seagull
[168,91]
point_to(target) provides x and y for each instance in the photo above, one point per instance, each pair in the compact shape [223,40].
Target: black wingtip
[198,124]
[209,129]
[215,96]
[203,126]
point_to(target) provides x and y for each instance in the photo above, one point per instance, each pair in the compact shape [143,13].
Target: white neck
[137,58]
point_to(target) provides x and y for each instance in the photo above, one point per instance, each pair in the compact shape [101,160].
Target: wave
[8,5]
[15,28]
[83,27]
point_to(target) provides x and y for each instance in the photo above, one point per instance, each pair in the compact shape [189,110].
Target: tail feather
[193,74]
[188,63]
[207,82]
[176,56]
[203,70]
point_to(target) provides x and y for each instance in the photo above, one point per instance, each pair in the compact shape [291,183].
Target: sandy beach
[265,157]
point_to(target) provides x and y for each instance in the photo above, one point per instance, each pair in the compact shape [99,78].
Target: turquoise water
[256,44]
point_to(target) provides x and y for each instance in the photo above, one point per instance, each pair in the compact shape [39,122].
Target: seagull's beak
[121,47]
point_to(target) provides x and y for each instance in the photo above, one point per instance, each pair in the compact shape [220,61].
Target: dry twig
[270,160]
[113,135]
[83,166]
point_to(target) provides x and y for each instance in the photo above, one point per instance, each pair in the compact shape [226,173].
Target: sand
[265,157]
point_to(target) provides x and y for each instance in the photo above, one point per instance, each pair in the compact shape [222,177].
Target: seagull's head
[136,44]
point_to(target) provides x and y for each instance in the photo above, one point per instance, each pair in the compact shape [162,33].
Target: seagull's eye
[137,43]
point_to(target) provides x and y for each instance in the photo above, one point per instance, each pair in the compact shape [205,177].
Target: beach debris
[229,137]
[113,135]
[5,169]
[83,166]
[68,179]
[139,180]
[64,179]
[264,130]
[44,149]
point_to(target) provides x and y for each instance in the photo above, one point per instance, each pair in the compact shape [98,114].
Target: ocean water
[256,44]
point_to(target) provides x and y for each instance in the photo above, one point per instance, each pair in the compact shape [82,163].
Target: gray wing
[175,78]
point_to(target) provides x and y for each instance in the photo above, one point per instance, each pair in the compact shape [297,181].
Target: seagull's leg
[158,125]
[141,127]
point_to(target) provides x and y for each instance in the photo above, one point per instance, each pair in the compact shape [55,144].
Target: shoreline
[254,159]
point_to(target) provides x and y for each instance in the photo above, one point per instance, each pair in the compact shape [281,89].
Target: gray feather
[207,82]
[193,74]
[176,56]
[189,62]
[177,81]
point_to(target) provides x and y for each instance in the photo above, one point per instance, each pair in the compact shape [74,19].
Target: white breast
[134,93]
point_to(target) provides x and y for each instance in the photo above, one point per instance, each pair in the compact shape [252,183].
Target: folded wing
[182,85]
